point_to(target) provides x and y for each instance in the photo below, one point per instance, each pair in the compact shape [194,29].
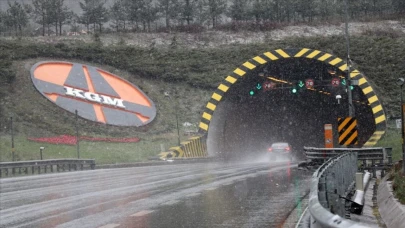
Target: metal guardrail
[44,166]
[330,185]
[374,153]
[373,159]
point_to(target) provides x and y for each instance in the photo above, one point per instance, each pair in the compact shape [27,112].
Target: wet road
[186,195]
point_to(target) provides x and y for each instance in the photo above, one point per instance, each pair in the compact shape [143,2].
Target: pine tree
[216,9]
[16,16]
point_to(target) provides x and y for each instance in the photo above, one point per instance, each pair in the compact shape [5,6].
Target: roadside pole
[12,139]
[348,61]
[77,136]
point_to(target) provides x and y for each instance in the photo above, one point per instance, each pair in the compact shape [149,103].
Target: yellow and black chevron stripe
[195,147]
[375,104]
[347,129]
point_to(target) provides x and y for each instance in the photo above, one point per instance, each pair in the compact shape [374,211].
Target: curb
[391,210]
[155,163]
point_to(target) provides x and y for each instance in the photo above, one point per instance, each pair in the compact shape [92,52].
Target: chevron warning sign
[347,128]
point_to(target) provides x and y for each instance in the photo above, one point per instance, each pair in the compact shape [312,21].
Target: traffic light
[301,84]
[251,92]
[259,86]
[294,90]
[344,83]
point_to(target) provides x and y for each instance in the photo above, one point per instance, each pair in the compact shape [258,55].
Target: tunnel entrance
[245,116]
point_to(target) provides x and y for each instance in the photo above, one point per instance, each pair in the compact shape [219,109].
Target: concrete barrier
[391,210]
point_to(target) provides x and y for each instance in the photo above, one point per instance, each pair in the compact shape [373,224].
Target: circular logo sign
[96,94]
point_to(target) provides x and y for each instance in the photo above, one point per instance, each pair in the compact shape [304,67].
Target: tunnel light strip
[279,80]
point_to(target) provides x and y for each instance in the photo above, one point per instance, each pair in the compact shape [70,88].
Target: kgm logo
[96,94]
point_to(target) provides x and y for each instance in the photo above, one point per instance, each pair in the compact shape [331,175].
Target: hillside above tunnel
[191,74]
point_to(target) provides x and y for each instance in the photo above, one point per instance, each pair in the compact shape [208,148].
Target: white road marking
[109,226]
[171,202]
[210,189]
[194,194]
[141,213]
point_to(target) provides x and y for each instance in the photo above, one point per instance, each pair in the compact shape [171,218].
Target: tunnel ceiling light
[278,80]
[332,72]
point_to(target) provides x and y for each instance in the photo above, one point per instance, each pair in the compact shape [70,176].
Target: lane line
[142,213]
[110,225]
[302,215]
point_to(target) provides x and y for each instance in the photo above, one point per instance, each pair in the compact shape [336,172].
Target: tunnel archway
[235,119]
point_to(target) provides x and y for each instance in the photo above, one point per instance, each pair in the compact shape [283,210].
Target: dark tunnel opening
[251,117]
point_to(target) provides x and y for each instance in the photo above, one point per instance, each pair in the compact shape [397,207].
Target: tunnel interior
[261,108]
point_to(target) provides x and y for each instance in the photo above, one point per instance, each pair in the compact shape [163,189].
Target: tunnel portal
[266,100]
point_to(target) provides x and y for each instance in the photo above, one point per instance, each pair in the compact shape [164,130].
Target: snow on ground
[218,38]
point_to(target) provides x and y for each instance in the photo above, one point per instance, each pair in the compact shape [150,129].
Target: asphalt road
[186,195]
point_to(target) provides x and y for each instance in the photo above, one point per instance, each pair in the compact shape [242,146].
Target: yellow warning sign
[347,128]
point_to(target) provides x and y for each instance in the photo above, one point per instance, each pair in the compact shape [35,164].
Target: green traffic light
[251,93]
[294,90]
[343,81]
[351,87]
[259,86]
[301,84]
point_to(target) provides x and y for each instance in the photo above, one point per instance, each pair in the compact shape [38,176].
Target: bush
[383,32]
[236,26]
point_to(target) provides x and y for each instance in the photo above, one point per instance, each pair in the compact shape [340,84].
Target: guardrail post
[331,190]
[359,181]
[322,192]
[373,168]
